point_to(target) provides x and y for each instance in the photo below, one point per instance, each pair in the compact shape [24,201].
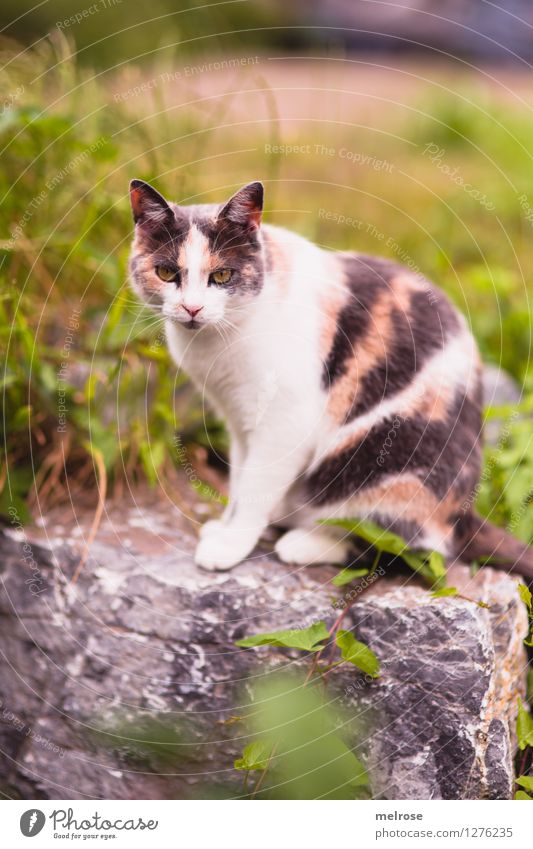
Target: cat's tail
[478,539]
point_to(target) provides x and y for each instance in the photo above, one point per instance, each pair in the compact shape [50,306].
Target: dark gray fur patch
[238,246]
[367,278]
[418,333]
[444,455]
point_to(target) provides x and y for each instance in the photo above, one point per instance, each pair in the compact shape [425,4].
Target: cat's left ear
[245,207]
[150,209]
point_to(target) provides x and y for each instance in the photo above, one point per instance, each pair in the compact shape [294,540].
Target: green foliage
[379,538]
[529,685]
[313,639]
[525,781]
[306,639]
[300,751]
[352,651]
[444,592]
[429,565]
[524,735]
[506,489]
[153,742]
[524,727]
[346,576]
[255,756]
[119,31]
[525,595]
[85,368]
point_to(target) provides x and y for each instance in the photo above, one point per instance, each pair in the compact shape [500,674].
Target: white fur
[260,375]
[307,546]
[194,291]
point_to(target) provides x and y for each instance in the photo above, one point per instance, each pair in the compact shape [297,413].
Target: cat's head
[197,265]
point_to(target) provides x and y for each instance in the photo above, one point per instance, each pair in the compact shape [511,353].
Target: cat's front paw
[213,526]
[223,547]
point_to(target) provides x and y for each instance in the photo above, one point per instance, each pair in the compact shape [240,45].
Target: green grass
[68,153]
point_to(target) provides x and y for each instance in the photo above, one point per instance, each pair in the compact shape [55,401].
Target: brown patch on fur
[373,348]
[142,265]
[405,499]
[408,497]
[434,405]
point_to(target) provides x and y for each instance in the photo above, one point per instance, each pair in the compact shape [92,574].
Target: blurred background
[398,129]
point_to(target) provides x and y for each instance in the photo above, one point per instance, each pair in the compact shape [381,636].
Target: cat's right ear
[150,209]
[245,207]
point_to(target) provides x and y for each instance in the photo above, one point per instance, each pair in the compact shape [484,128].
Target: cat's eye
[167,274]
[223,275]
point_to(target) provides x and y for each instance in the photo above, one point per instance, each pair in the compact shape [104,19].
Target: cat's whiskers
[219,326]
[139,319]
[142,330]
[226,325]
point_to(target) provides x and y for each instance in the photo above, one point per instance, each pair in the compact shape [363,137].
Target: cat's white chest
[228,372]
[251,375]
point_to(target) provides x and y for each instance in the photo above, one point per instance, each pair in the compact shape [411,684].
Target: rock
[499,390]
[452,673]
[144,633]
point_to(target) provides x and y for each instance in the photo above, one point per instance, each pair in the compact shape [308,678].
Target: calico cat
[350,386]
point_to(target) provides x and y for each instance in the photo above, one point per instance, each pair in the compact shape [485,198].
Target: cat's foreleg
[237,456]
[273,460]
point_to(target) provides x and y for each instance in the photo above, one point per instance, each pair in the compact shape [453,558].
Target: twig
[263,774]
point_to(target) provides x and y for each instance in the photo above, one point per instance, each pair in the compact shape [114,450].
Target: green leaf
[445,591]
[306,639]
[378,537]
[524,727]
[357,653]
[254,756]
[21,418]
[520,796]
[429,565]
[152,455]
[13,502]
[152,353]
[525,781]
[437,565]
[525,595]
[103,442]
[474,568]
[90,386]
[433,571]
[348,575]
[529,684]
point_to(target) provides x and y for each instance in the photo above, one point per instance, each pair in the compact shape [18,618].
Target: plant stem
[263,774]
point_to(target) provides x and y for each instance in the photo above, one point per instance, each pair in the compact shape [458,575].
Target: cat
[350,386]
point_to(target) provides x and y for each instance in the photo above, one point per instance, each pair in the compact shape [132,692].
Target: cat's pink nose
[193,311]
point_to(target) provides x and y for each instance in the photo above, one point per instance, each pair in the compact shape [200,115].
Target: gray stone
[144,633]
[445,704]
[499,390]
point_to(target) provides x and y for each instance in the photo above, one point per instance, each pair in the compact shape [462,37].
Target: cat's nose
[193,311]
